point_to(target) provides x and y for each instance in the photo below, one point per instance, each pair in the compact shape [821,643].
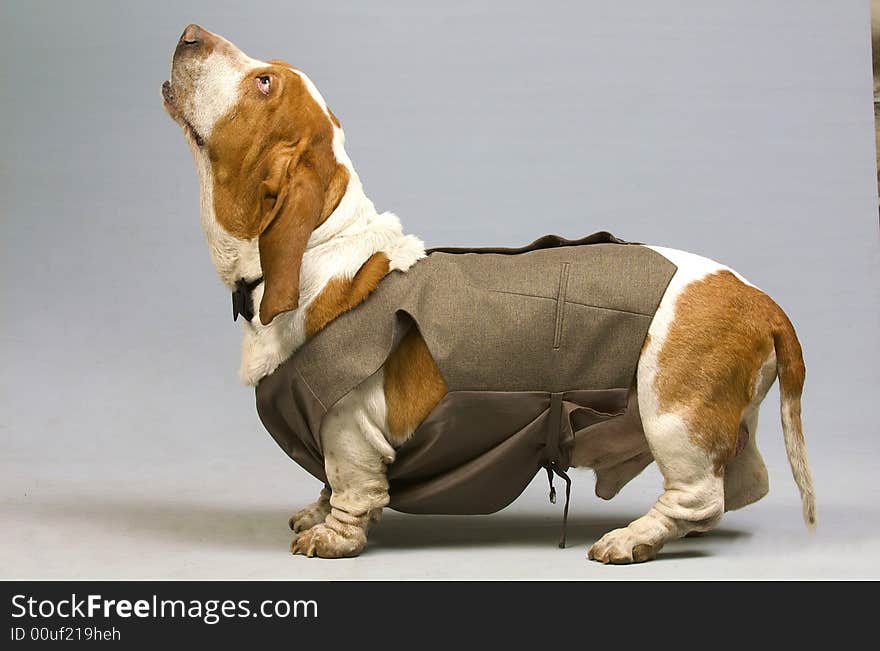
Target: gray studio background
[739,130]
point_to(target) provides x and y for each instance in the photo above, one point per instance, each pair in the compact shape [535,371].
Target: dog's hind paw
[621,547]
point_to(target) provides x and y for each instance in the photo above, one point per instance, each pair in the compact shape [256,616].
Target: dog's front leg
[356,454]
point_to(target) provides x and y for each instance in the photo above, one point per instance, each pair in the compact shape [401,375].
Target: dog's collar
[242,299]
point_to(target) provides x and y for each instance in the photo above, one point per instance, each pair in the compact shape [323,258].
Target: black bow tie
[242,301]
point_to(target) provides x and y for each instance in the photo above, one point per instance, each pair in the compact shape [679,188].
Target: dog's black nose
[192,35]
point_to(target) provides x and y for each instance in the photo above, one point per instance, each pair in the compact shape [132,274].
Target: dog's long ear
[292,197]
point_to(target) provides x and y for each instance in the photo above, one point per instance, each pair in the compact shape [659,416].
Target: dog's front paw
[620,547]
[324,542]
[313,514]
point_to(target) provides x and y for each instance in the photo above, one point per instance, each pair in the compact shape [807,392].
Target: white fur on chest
[339,256]
[338,248]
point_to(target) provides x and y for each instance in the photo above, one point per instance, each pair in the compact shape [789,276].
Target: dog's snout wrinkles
[192,35]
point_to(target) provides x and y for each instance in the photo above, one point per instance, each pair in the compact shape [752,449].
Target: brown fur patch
[275,176]
[341,294]
[413,386]
[271,139]
[722,333]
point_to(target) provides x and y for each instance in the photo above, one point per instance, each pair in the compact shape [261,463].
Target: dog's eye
[264,82]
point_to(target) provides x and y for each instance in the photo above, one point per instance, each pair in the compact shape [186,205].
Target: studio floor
[216,521]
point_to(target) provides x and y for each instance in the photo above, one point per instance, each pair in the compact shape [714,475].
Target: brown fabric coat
[538,346]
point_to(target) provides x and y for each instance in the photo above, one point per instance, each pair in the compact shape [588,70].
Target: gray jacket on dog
[538,347]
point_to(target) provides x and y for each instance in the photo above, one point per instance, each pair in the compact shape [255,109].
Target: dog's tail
[791,372]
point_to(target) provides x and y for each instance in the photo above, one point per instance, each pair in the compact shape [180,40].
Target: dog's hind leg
[314,513]
[693,499]
[714,348]
[706,457]
[355,458]
[745,477]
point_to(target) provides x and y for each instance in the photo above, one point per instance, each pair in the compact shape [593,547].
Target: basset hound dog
[291,231]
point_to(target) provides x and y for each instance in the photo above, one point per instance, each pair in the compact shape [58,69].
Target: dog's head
[268,137]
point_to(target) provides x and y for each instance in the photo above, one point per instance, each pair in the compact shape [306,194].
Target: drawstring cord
[550,481]
[553,454]
[552,468]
